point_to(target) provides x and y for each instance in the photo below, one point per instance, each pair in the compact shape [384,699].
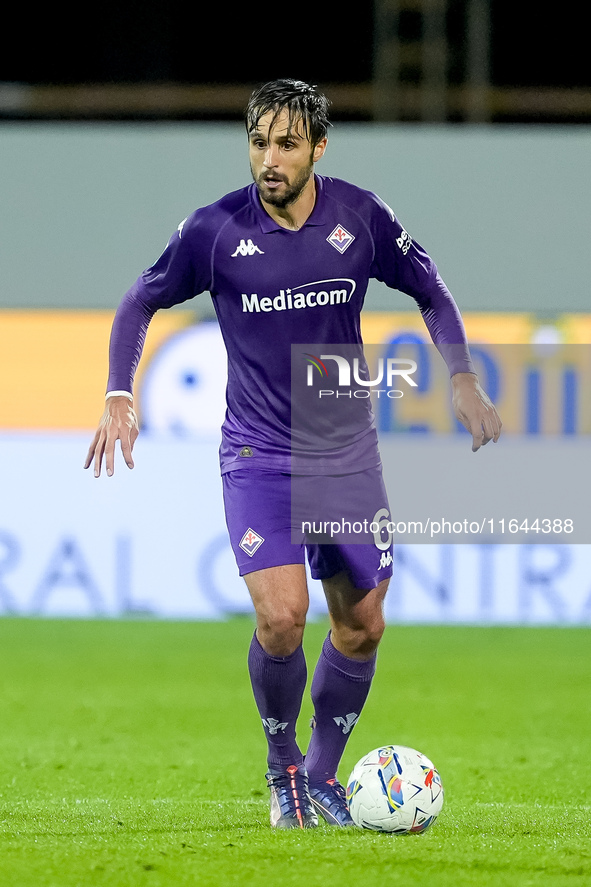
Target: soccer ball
[395,789]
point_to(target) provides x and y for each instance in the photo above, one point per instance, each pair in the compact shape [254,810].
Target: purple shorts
[269,525]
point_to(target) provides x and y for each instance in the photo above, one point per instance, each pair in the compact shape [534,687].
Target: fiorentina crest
[340,238]
[250,542]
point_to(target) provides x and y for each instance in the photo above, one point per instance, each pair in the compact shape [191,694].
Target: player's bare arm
[475,410]
[118,422]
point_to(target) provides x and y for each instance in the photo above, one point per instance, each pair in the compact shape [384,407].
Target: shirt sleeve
[402,263]
[182,272]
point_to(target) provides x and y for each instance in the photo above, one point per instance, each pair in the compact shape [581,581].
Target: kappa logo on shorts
[385,560]
[250,542]
[340,238]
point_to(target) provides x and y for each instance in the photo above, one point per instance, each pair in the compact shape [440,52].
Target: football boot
[329,800]
[291,806]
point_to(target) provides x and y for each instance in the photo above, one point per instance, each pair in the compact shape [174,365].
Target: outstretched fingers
[119,422]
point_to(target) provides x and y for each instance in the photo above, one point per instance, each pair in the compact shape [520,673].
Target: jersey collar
[268,224]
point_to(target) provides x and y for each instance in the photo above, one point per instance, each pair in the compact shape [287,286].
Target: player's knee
[369,639]
[362,640]
[281,631]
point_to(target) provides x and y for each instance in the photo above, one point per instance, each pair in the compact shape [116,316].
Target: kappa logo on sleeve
[250,542]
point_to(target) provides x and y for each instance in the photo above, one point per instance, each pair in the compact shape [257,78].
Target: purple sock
[278,684]
[339,689]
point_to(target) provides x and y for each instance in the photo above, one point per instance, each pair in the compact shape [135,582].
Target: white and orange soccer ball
[395,789]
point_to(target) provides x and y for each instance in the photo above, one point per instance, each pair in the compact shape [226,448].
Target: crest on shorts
[250,542]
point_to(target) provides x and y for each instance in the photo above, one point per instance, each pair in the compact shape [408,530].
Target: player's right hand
[118,422]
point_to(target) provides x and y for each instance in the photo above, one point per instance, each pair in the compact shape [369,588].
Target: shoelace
[293,770]
[289,788]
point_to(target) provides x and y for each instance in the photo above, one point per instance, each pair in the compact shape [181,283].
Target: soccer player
[251,250]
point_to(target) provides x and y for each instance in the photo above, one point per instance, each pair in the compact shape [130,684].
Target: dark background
[221,43]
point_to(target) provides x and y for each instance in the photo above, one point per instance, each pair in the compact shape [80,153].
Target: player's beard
[290,193]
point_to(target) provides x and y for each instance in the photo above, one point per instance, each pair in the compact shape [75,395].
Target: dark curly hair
[302,101]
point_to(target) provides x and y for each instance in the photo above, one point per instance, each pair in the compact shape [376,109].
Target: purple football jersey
[273,287]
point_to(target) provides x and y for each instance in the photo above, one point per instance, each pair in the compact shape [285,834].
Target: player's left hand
[118,423]
[475,410]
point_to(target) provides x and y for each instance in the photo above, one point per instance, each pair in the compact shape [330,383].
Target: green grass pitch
[131,754]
